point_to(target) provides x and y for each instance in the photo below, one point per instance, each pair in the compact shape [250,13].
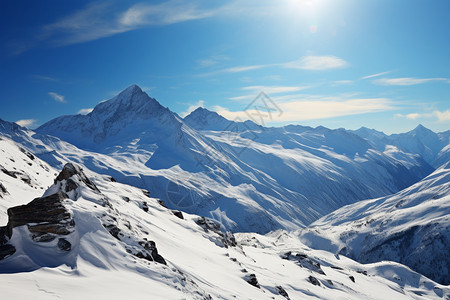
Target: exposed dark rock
[314,280]
[113,230]
[27,153]
[70,170]
[227,238]
[145,206]
[362,272]
[150,252]
[71,185]
[3,190]
[126,199]
[9,173]
[146,193]
[25,178]
[162,203]
[64,245]
[251,278]
[304,261]
[6,250]
[47,214]
[112,179]
[282,292]
[45,238]
[351,278]
[178,214]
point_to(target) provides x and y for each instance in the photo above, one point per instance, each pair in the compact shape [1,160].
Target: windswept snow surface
[199,265]
[246,176]
[411,227]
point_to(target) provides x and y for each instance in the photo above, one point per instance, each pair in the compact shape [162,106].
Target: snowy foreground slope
[248,177]
[411,227]
[107,240]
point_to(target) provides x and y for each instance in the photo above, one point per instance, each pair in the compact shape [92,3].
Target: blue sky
[377,63]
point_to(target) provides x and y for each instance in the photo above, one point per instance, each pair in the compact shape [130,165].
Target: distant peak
[421,129]
[132,88]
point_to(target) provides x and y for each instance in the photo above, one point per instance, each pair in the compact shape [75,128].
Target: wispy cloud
[342,82]
[273,89]
[102,19]
[26,122]
[57,97]
[45,78]
[412,116]
[406,81]
[317,63]
[311,108]
[440,116]
[192,107]
[212,60]
[84,111]
[375,75]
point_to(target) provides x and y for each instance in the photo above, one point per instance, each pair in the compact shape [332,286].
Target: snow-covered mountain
[88,236]
[411,227]
[420,140]
[247,177]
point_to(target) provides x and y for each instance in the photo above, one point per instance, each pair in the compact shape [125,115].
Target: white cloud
[406,81]
[375,75]
[412,116]
[192,107]
[317,63]
[84,111]
[244,68]
[211,61]
[309,109]
[26,122]
[442,116]
[57,97]
[342,82]
[273,89]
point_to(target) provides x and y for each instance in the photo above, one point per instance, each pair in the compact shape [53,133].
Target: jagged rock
[178,214]
[150,252]
[71,185]
[3,190]
[207,224]
[146,193]
[160,202]
[27,153]
[6,250]
[314,280]
[352,278]
[47,214]
[112,179]
[9,173]
[70,170]
[251,279]
[64,245]
[126,199]
[304,261]
[282,292]
[113,230]
[145,206]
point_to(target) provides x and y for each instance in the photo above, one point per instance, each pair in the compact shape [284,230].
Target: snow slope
[113,221]
[247,177]
[22,175]
[411,227]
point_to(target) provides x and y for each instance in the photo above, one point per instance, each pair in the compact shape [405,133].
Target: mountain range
[246,176]
[146,193]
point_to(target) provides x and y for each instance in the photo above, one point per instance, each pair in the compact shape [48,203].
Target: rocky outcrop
[45,217]
[70,170]
[224,239]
